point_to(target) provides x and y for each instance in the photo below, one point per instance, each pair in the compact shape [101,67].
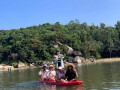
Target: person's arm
[57,75]
[64,74]
[54,56]
[76,73]
[47,74]
[53,73]
[50,73]
[40,72]
[64,55]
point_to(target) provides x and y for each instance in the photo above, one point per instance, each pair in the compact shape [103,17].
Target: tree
[92,48]
[117,26]
[102,25]
[35,43]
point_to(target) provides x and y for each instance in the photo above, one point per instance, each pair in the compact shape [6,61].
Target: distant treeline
[35,43]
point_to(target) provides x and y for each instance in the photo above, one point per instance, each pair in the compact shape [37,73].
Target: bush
[15,64]
[68,59]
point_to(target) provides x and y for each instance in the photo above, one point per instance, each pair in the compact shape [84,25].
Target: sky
[15,14]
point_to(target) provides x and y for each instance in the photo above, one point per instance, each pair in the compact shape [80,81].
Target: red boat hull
[61,83]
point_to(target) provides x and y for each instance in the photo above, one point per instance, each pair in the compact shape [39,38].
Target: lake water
[94,76]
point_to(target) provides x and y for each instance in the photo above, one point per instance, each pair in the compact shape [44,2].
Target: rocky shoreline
[7,68]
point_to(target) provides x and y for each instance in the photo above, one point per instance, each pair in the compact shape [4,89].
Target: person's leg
[63,80]
[58,80]
[72,80]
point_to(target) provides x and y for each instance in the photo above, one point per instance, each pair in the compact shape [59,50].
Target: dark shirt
[59,62]
[70,75]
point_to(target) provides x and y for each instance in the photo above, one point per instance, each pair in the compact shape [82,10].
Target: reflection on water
[94,77]
[54,87]
[38,86]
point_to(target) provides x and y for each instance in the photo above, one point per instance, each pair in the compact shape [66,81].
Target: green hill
[35,43]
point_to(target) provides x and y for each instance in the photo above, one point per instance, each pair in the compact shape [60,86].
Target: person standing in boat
[43,72]
[59,59]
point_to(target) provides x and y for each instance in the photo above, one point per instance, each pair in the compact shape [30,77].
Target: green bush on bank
[15,64]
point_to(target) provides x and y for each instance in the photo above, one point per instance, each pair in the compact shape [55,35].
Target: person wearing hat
[43,72]
[71,72]
[59,59]
[51,73]
[60,75]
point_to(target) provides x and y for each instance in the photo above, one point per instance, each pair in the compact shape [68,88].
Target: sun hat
[45,65]
[70,64]
[51,66]
[60,68]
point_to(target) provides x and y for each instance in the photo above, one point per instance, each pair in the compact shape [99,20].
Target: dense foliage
[35,43]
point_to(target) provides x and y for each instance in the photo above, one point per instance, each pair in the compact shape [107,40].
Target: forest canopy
[35,43]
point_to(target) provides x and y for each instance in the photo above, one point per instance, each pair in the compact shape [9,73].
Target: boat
[61,83]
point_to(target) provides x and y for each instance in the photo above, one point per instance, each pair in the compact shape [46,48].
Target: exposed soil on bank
[107,60]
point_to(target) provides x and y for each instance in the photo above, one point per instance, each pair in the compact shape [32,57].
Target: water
[94,76]
[101,76]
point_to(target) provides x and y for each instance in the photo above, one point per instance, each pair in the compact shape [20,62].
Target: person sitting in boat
[60,75]
[51,73]
[43,72]
[59,59]
[71,72]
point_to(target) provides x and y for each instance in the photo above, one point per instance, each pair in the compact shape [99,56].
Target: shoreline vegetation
[107,60]
[37,44]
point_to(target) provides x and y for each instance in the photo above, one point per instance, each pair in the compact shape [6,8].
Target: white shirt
[59,56]
[61,75]
[51,76]
[44,73]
